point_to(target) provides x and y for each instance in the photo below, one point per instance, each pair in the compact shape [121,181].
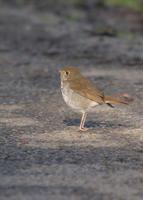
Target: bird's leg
[81,127]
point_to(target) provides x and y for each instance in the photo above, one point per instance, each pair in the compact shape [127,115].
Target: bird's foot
[83,129]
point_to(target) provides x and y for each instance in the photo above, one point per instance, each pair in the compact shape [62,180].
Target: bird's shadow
[93,124]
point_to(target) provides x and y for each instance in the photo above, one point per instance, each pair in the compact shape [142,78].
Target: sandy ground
[42,154]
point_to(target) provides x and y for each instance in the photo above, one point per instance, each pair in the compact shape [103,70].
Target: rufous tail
[115,100]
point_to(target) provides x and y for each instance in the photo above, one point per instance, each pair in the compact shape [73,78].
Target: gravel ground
[42,154]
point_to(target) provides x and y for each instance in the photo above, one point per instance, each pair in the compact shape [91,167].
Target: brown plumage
[81,94]
[85,88]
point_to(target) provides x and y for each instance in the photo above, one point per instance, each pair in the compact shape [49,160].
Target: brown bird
[81,95]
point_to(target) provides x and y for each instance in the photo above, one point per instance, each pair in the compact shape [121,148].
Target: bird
[82,95]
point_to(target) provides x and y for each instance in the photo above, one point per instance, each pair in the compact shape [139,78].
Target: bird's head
[69,73]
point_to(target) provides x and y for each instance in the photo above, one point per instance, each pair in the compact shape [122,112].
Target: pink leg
[82,128]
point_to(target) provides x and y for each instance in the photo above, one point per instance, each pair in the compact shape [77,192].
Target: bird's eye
[67,73]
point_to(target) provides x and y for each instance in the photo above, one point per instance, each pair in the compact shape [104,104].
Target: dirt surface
[42,154]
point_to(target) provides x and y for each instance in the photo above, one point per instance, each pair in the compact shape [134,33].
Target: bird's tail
[115,100]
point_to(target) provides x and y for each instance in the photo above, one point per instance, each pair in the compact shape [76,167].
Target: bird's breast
[75,100]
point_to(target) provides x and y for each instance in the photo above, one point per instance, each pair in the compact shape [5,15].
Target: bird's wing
[86,89]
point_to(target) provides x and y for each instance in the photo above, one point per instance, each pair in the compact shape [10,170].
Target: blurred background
[39,37]
[101,30]
[137,5]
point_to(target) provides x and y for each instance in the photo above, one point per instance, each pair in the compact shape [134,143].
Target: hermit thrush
[81,95]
